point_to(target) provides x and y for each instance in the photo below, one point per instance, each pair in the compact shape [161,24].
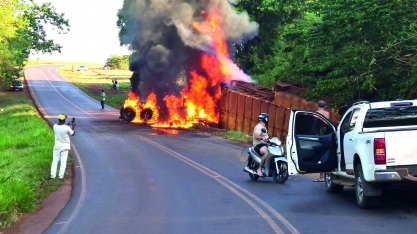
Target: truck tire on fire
[146,114]
[127,114]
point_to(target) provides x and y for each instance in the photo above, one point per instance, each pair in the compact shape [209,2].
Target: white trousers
[59,156]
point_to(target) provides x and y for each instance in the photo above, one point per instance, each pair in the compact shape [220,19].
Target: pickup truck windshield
[391,117]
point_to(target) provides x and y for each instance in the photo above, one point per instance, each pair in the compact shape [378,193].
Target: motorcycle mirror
[263,130]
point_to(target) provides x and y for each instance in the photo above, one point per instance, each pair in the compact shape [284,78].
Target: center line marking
[222,180]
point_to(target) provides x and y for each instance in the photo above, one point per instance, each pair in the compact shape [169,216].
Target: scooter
[275,166]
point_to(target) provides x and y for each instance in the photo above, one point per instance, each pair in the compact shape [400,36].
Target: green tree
[356,49]
[119,62]
[9,25]
[121,24]
[259,55]
[22,32]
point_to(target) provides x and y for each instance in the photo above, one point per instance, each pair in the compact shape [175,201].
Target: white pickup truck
[374,147]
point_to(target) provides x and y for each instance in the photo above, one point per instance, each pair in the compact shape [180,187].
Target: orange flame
[200,100]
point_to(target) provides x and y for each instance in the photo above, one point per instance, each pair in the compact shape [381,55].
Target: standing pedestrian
[62,145]
[321,105]
[103,98]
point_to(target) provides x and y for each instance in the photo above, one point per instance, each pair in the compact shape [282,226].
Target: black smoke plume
[166,45]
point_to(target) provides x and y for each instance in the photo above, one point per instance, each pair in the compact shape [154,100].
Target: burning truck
[181,57]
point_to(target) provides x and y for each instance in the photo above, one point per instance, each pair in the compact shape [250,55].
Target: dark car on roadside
[16,85]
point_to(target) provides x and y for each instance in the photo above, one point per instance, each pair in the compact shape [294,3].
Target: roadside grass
[93,80]
[239,136]
[244,138]
[25,157]
[113,100]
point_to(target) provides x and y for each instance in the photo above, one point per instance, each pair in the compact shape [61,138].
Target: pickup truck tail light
[379,151]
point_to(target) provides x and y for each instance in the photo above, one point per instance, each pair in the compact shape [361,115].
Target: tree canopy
[343,49]
[22,31]
[119,62]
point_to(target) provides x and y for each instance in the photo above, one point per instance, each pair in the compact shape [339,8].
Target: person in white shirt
[62,145]
[259,139]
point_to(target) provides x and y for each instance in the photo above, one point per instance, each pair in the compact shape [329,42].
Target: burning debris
[181,55]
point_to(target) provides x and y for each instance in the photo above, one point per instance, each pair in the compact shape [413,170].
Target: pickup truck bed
[375,147]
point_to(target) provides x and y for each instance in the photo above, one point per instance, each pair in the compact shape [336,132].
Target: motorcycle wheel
[252,166]
[283,175]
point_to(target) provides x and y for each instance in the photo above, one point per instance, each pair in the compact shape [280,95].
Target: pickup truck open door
[311,142]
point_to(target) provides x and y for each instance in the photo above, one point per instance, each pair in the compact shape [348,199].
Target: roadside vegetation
[25,157]
[239,136]
[343,50]
[96,78]
[242,137]
[22,31]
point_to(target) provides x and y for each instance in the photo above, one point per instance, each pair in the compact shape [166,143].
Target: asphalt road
[130,178]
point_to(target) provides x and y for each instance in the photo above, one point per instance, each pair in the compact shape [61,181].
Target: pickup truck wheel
[331,187]
[362,200]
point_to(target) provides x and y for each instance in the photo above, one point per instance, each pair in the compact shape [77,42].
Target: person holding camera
[62,145]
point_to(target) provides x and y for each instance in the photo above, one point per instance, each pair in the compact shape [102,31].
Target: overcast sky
[93,33]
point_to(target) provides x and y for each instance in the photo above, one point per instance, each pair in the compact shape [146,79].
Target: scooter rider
[259,139]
